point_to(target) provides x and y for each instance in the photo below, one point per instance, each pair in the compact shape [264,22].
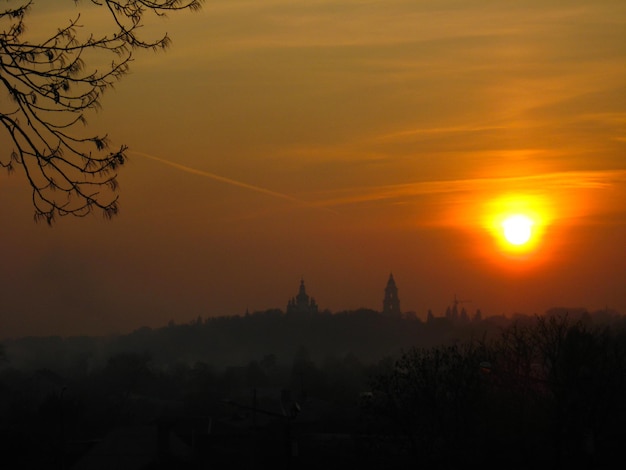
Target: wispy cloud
[427,131]
[603,179]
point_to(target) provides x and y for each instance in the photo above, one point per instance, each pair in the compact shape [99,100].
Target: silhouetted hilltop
[235,340]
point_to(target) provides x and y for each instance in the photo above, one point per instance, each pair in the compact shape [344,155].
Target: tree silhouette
[47,86]
[546,393]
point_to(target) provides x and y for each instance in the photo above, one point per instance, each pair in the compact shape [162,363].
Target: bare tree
[48,85]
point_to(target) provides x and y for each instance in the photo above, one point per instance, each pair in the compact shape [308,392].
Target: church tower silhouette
[302,304]
[391,303]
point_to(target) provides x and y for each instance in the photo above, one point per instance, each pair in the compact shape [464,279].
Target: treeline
[528,392]
[236,340]
[48,417]
[546,393]
[43,411]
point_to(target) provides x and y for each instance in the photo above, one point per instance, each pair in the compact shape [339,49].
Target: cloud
[410,134]
[598,180]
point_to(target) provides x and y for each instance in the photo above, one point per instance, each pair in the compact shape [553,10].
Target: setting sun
[517,229]
[518,223]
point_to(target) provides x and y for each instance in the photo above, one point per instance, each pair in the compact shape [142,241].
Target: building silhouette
[302,304]
[391,302]
[453,314]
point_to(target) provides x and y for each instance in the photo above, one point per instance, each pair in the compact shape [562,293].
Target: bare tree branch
[47,87]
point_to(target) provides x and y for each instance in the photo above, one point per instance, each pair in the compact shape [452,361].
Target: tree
[546,393]
[47,86]
[430,404]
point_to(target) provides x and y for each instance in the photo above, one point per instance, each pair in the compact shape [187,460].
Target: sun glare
[517,223]
[517,229]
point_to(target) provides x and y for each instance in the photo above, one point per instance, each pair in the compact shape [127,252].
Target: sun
[518,224]
[517,229]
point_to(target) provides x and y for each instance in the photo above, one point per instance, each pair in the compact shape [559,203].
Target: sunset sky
[338,141]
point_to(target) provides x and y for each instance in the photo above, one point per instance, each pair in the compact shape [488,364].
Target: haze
[339,141]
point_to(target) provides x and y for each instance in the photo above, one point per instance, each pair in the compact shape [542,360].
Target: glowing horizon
[341,141]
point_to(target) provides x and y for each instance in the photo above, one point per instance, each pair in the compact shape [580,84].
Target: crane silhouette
[454,312]
[456,302]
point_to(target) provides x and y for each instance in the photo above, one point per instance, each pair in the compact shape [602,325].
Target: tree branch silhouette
[46,89]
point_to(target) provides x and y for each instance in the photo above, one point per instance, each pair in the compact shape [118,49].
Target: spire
[302,303]
[391,302]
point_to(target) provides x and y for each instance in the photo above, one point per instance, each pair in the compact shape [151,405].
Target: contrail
[230,181]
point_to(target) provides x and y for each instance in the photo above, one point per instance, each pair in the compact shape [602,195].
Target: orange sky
[340,141]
